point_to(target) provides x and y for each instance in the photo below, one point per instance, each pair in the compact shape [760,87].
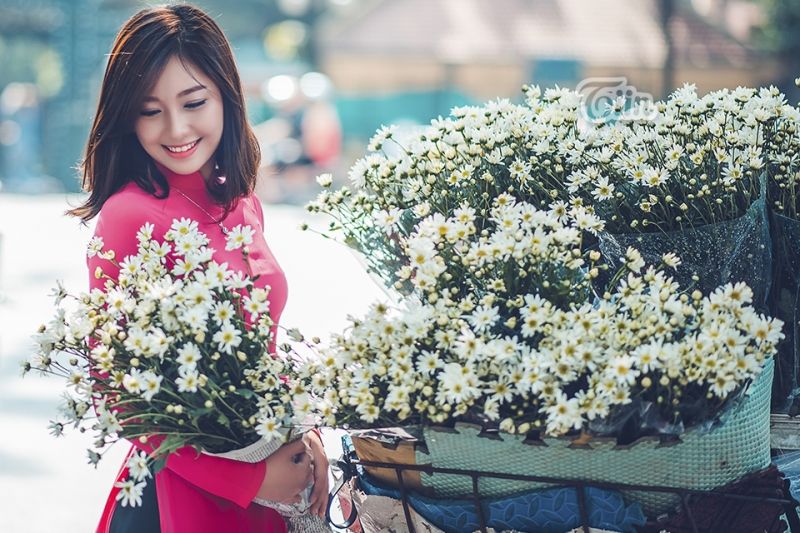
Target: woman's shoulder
[132,198]
[253,204]
[128,198]
[130,207]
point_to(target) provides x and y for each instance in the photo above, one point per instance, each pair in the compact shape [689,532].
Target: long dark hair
[144,45]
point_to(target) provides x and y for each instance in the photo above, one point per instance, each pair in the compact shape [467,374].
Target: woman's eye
[193,105]
[149,112]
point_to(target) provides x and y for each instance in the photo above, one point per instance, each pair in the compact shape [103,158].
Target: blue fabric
[546,511]
[789,465]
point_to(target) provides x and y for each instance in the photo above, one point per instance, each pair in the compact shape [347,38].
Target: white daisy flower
[227,338]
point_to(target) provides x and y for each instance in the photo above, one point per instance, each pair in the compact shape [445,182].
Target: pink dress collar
[185,182]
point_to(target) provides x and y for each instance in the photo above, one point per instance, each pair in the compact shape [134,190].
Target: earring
[220,179]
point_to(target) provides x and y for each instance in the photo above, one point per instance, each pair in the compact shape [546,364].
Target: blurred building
[461,50]
[361,63]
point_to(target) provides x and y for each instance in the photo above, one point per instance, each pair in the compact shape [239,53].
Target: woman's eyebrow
[184,92]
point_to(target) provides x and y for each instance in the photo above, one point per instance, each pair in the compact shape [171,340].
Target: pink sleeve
[117,224]
[259,209]
[231,480]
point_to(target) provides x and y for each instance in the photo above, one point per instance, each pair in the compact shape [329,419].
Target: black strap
[348,472]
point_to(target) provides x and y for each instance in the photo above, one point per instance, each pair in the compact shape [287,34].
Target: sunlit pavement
[45,483]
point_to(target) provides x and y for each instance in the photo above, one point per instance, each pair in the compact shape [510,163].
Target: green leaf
[295,335]
[247,394]
[159,464]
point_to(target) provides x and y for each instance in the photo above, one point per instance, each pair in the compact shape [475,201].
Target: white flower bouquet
[695,161]
[783,192]
[692,178]
[524,346]
[456,167]
[175,352]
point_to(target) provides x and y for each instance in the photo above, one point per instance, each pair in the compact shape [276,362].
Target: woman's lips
[186,150]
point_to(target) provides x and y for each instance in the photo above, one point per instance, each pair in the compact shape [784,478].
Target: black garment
[143,519]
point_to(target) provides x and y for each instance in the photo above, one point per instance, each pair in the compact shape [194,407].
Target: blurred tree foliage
[28,59]
[781,34]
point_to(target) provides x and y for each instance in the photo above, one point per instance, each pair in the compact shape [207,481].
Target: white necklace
[225,230]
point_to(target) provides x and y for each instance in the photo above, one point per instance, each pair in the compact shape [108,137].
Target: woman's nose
[178,127]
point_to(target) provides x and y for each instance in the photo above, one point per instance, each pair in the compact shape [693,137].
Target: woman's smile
[182,151]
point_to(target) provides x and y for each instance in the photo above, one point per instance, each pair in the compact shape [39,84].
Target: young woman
[170,140]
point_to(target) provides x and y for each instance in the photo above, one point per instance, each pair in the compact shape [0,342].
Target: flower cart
[545,333]
[766,503]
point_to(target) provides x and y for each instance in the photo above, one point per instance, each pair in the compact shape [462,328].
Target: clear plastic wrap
[784,302]
[789,465]
[730,251]
[641,418]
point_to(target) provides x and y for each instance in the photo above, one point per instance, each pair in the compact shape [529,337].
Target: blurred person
[302,140]
[170,140]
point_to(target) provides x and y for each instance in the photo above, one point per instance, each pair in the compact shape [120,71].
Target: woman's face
[180,123]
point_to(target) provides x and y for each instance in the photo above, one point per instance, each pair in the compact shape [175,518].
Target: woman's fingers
[318,501]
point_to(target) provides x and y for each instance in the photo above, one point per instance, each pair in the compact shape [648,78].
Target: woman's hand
[289,472]
[319,495]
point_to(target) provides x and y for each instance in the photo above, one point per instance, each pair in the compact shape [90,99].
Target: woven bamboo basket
[699,460]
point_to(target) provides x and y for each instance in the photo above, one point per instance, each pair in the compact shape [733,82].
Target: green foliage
[783,22]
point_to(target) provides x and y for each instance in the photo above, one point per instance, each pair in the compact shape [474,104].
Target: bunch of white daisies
[694,161]
[519,362]
[175,352]
[456,167]
[482,220]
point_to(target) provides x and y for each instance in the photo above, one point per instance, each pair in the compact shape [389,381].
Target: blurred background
[321,76]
